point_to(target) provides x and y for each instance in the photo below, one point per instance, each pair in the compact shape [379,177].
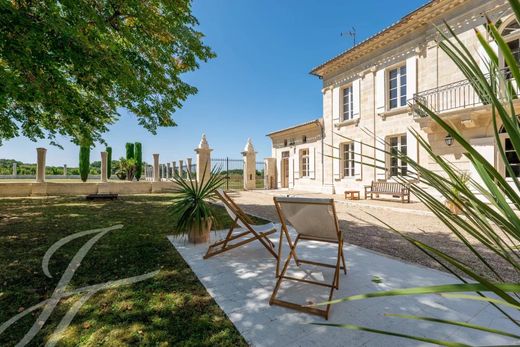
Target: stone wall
[80,188]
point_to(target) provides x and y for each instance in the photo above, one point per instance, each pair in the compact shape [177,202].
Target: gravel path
[359,219]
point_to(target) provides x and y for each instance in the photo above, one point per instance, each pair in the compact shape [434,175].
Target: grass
[172,308]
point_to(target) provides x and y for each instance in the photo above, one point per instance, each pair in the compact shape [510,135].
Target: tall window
[348,159]
[304,162]
[511,155]
[397,166]
[511,34]
[348,103]
[397,87]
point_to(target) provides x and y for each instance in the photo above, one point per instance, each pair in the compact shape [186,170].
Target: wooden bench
[91,197]
[387,188]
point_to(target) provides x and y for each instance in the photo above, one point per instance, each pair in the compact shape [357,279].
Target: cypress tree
[138,156]
[129,150]
[84,162]
[109,162]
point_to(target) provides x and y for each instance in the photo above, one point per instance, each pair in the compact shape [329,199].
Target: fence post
[40,165]
[104,166]
[270,173]
[188,166]
[227,173]
[249,166]
[181,163]
[156,172]
[203,159]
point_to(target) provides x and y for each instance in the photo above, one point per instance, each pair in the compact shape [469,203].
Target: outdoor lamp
[448,139]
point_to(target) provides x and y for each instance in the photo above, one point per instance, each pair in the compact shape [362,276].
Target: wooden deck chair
[240,219]
[313,220]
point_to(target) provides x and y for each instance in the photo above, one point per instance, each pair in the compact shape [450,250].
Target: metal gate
[233,171]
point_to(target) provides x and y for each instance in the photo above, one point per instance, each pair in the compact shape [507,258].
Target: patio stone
[241,282]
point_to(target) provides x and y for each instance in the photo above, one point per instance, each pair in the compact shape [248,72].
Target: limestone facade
[367,96]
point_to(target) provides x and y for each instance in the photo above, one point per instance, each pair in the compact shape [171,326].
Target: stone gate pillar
[203,159]
[40,164]
[249,166]
[180,168]
[270,173]
[168,168]
[188,165]
[174,168]
[104,167]
[14,169]
[65,170]
[156,173]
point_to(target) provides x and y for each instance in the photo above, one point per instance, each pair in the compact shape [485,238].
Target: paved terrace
[360,219]
[241,281]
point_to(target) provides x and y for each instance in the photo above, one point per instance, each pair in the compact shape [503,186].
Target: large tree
[67,66]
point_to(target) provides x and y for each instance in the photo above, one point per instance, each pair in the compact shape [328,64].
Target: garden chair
[313,220]
[251,233]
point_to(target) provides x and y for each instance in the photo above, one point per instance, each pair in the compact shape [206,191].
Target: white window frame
[505,173]
[347,103]
[304,162]
[399,86]
[514,36]
[400,164]
[348,157]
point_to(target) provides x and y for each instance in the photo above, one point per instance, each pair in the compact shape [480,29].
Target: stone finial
[203,142]
[249,146]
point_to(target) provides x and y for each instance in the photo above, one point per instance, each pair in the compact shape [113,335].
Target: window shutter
[358,159]
[486,147]
[336,102]
[411,77]
[291,171]
[336,163]
[279,173]
[380,91]
[312,163]
[356,97]
[381,160]
[297,160]
[412,148]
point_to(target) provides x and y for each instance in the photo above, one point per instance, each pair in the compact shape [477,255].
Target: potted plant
[127,168]
[451,204]
[191,206]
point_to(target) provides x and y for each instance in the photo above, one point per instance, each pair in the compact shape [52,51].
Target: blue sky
[258,83]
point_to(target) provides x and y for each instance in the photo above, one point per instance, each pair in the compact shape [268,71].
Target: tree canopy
[67,66]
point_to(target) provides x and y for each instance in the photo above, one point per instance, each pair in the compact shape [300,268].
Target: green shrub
[84,162]
[138,156]
[109,161]
[129,151]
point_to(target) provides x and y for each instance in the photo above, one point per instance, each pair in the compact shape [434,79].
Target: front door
[285,170]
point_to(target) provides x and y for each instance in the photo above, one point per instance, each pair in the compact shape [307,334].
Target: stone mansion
[368,93]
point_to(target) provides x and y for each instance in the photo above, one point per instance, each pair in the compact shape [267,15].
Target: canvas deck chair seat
[314,220]
[246,233]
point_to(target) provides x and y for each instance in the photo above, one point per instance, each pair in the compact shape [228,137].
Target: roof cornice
[412,22]
[315,122]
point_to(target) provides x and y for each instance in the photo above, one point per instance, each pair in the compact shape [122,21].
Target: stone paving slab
[241,282]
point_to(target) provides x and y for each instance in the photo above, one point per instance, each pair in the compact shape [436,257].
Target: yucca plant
[486,201]
[191,208]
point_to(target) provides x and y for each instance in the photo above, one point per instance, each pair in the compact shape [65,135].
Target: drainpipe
[322,132]
[332,138]
[374,124]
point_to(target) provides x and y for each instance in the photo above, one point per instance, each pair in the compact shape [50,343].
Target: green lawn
[172,308]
